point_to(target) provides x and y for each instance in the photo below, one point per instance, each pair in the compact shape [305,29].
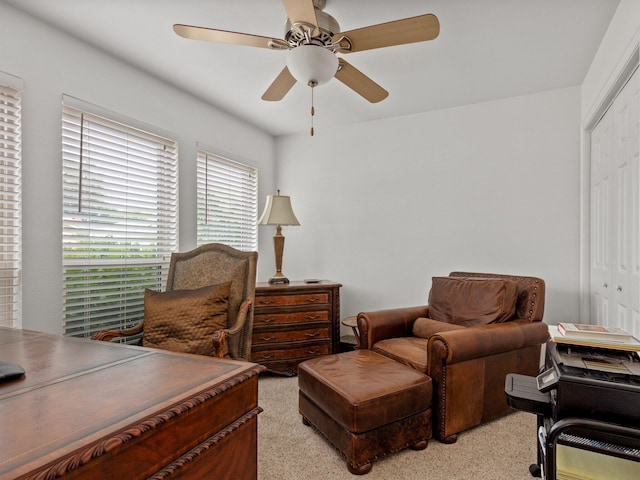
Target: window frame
[120,216]
[227,201]
[11,93]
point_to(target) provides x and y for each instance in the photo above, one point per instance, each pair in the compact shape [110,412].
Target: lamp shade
[278,211]
[312,63]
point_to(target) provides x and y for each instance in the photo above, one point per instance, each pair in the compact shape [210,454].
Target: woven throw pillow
[425,327]
[184,320]
[472,301]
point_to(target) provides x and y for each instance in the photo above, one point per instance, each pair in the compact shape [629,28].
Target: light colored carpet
[287,449]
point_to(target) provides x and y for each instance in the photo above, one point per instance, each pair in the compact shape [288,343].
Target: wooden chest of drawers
[294,322]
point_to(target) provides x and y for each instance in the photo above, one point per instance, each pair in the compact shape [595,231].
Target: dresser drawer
[293,299]
[283,318]
[290,353]
[261,338]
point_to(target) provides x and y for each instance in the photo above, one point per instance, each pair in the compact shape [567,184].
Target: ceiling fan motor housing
[326,23]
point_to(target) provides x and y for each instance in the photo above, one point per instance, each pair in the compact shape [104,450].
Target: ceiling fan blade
[280,86]
[360,83]
[302,11]
[223,36]
[409,30]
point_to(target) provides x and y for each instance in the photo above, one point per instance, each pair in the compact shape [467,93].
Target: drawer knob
[265,357]
[312,299]
[265,302]
[267,339]
[311,317]
[313,351]
[311,335]
[266,320]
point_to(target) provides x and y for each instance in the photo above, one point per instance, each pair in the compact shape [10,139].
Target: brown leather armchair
[198,269]
[468,359]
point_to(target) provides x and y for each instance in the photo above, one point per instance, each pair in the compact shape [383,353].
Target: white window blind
[227,202]
[119,220]
[10,208]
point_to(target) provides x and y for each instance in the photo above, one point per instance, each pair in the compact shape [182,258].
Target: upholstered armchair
[207,307]
[476,328]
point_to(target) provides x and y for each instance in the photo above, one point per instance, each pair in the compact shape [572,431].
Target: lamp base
[277,280]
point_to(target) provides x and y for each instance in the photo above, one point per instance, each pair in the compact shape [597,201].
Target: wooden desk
[94,410]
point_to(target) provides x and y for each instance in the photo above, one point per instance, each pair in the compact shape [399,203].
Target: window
[227,202]
[119,219]
[10,209]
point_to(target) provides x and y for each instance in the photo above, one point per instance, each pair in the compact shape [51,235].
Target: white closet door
[626,248]
[615,213]
[601,220]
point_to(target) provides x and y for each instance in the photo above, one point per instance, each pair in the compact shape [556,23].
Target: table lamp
[278,211]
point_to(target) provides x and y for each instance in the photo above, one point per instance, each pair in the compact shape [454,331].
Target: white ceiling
[487,49]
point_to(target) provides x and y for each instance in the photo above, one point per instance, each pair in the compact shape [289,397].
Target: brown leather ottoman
[365,404]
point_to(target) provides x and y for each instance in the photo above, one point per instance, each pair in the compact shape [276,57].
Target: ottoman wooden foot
[361,470]
[450,439]
[421,445]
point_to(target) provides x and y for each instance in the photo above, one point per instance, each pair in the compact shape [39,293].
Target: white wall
[51,64]
[491,187]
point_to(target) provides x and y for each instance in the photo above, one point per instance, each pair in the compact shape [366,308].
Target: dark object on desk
[10,371]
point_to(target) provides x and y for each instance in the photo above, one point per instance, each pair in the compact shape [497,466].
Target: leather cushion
[472,301]
[362,390]
[411,351]
[184,320]
[425,327]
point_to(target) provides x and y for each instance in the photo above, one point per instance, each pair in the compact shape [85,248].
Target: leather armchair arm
[457,346]
[397,322]
[108,335]
[221,337]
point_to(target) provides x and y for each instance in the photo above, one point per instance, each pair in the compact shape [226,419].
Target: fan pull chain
[313,110]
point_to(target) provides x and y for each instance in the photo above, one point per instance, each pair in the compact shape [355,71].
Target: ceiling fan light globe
[312,63]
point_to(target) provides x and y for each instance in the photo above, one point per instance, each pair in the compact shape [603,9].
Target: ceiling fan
[312,39]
